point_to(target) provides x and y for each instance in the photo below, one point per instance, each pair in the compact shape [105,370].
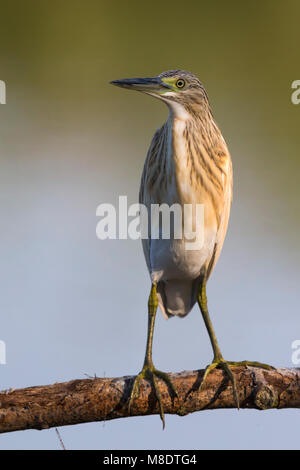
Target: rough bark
[99,399]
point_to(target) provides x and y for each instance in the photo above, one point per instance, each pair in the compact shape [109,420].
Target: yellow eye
[180,83]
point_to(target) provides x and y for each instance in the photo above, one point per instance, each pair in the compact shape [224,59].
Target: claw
[150,373]
[233,381]
[226,366]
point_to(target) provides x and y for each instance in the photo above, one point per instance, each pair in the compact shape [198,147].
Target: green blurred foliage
[57,58]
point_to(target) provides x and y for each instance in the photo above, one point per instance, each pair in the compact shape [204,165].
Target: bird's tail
[177,296]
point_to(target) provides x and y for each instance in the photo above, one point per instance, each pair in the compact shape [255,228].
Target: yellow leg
[218,360]
[149,371]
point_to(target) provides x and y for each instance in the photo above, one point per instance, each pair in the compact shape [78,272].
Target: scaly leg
[218,360]
[149,372]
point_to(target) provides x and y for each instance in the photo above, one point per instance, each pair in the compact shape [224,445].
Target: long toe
[151,373]
[261,365]
[227,368]
[225,365]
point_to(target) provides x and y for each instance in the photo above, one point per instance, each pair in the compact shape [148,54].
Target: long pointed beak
[147,85]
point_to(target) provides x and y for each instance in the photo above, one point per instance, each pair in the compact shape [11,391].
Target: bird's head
[182,91]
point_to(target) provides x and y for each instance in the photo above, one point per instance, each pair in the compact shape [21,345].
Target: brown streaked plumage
[188,162]
[204,166]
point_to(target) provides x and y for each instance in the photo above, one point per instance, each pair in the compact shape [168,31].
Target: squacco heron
[188,162]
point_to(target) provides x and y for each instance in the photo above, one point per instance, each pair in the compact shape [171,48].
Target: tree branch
[100,399]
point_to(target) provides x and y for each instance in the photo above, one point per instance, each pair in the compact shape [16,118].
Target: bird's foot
[261,365]
[150,373]
[226,366]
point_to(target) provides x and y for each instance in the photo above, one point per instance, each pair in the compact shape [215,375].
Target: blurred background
[71,304]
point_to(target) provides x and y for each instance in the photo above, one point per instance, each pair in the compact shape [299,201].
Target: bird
[188,162]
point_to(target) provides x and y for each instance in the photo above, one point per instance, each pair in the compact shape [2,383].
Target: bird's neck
[194,126]
[196,151]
